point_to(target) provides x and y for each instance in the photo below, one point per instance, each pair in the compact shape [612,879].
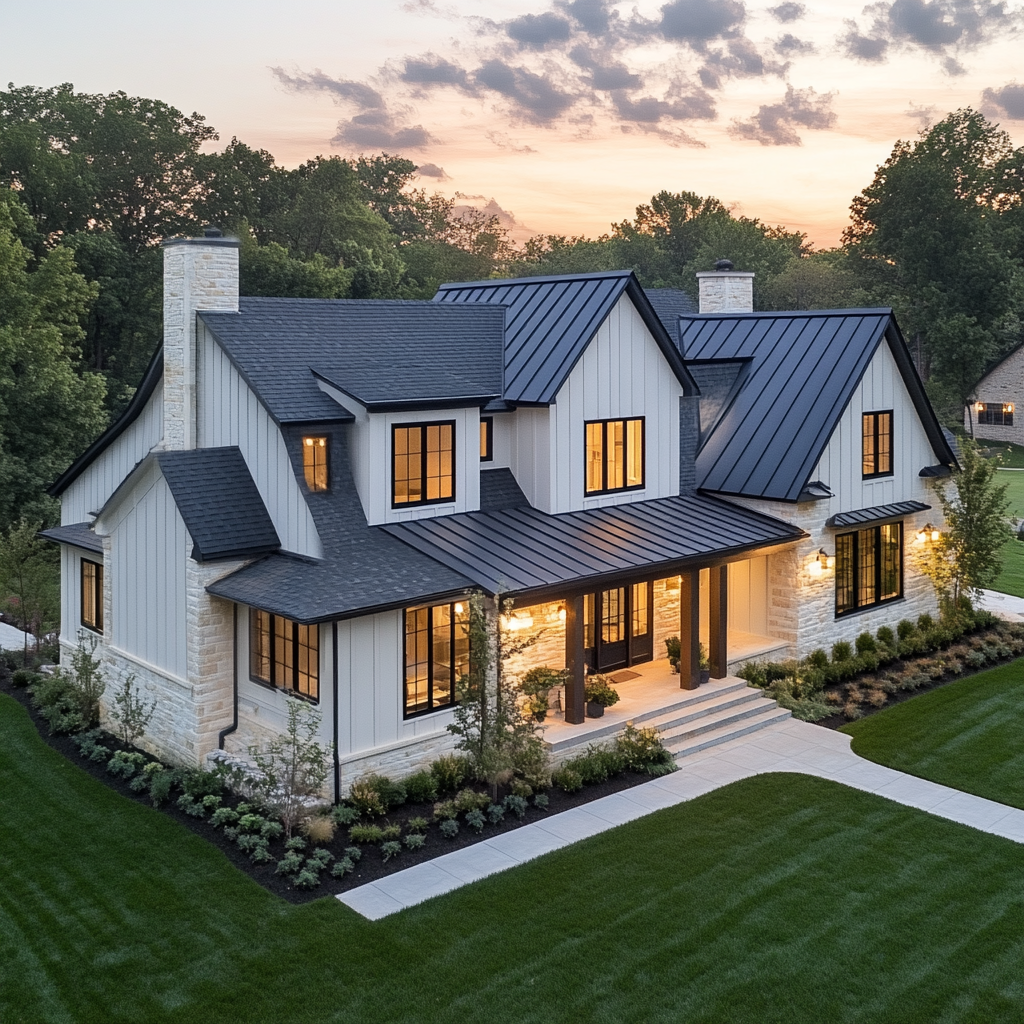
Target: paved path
[1006,606]
[790,746]
[13,639]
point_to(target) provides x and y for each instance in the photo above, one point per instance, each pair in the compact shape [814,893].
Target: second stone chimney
[724,290]
[199,273]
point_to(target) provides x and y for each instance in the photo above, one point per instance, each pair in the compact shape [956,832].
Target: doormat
[624,676]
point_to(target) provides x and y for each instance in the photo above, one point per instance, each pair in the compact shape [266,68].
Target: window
[422,463]
[999,414]
[436,655]
[869,567]
[92,595]
[615,455]
[486,438]
[285,654]
[877,445]
[314,462]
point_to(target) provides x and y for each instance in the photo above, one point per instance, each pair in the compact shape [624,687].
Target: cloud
[788,12]
[775,124]
[742,60]
[503,141]
[533,97]
[432,171]
[1008,101]
[697,22]
[377,129]
[604,77]
[537,31]
[592,16]
[431,70]
[789,46]
[339,88]
[854,44]
[650,110]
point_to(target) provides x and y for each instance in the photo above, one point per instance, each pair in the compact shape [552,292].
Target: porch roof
[524,551]
[876,514]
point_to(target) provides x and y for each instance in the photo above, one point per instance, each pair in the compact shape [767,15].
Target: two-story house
[304,495]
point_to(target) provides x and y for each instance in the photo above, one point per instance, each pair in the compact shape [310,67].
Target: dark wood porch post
[719,638]
[689,631]
[574,664]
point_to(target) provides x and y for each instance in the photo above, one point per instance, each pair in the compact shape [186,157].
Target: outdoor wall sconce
[517,621]
[929,533]
[823,560]
[561,613]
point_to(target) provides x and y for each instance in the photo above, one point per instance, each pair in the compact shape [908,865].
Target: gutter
[234,678]
[334,712]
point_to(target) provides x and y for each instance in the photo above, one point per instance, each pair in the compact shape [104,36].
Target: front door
[621,631]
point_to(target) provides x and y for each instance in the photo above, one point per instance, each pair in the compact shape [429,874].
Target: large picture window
[92,595]
[285,654]
[615,455]
[422,463]
[869,567]
[877,443]
[436,655]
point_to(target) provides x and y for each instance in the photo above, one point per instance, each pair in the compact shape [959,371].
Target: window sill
[871,607]
[263,684]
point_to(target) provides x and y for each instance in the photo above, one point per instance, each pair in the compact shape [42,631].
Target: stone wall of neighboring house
[1003,384]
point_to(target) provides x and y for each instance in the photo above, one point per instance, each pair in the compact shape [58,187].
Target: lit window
[422,463]
[615,455]
[436,655]
[92,595]
[869,567]
[314,462]
[998,414]
[877,444]
[285,654]
[486,439]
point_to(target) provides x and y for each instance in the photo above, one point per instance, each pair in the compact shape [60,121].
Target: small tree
[130,712]
[29,579]
[966,557]
[292,769]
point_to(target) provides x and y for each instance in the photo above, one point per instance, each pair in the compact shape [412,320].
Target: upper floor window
[314,462]
[999,414]
[285,654]
[436,655]
[422,463]
[92,595]
[877,444]
[869,567]
[615,455]
[486,438]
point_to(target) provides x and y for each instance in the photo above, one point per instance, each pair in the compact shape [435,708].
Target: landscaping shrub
[450,771]
[197,782]
[25,677]
[449,828]
[366,799]
[131,712]
[540,801]
[841,651]
[353,853]
[596,764]
[251,822]
[417,825]
[160,785]
[415,840]
[495,813]
[57,701]
[817,658]
[307,878]
[421,788]
[904,628]
[390,832]
[366,834]
[342,867]
[125,764]
[641,750]
[886,637]
[567,779]
[224,816]
[318,828]
[296,843]
[470,799]
[445,810]
[475,819]
[344,814]
[865,644]
[90,745]
[516,804]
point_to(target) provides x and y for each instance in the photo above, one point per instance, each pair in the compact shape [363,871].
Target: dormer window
[314,462]
[422,463]
[615,455]
[877,444]
[486,438]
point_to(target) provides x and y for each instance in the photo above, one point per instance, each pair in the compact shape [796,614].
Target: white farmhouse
[304,495]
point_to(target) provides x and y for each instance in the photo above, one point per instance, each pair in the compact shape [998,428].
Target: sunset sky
[567,113]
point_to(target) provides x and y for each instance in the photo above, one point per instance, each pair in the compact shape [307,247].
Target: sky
[562,114]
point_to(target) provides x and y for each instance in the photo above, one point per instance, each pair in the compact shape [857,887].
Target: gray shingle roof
[550,322]
[499,489]
[384,353]
[219,502]
[877,513]
[670,304]
[804,369]
[79,534]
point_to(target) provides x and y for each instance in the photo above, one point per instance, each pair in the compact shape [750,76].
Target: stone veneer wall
[1004,384]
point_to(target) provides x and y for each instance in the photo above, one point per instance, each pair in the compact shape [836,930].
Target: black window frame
[855,558]
[986,416]
[314,630]
[876,473]
[96,626]
[431,707]
[605,489]
[307,471]
[487,448]
[423,464]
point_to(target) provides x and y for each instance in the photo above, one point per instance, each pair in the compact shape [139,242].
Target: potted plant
[672,650]
[705,665]
[599,694]
[536,685]
[536,707]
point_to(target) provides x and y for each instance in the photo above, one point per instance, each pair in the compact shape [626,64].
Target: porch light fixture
[823,560]
[561,613]
[929,533]
[517,621]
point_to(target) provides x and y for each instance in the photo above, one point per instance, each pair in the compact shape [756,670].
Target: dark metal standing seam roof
[550,322]
[877,513]
[526,551]
[804,370]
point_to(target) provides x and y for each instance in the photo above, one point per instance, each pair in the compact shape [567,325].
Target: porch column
[718,656]
[574,664]
[689,631]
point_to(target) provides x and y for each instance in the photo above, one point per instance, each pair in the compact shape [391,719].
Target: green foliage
[817,658]
[366,833]
[470,799]
[161,783]
[538,681]
[199,783]
[290,864]
[541,801]
[415,840]
[131,712]
[295,843]
[251,823]
[421,788]
[449,828]
[90,746]
[69,699]
[597,689]
[343,814]
[353,853]
[476,819]
[25,677]
[905,629]
[641,749]
[841,651]
[389,832]
[495,813]
[224,816]
[450,771]
[124,764]
[886,637]
[596,764]
[417,824]
[342,867]
[29,579]
[567,779]
[865,644]
[516,804]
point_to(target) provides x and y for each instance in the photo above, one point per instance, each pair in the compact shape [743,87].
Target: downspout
[234,677]
[337,760]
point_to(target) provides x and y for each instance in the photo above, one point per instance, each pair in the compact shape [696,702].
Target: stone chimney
[199,273]
[724,290]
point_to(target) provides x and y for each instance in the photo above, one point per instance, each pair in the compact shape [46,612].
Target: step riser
[748,710]
[668,722]
[683,751]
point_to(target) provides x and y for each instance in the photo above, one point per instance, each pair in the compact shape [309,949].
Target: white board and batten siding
[71,589]
[228,414]
[529,445]
[840,466]
[89,493]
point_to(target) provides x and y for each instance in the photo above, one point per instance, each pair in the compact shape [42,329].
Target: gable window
[422,463]
[92,595]
[285,654]
[877,443]
[436,655]
[314,462]
[486,438]
[998,414]
[869,567]
[615,455]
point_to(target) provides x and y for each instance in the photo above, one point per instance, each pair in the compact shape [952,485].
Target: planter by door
[705,675]
[594,710]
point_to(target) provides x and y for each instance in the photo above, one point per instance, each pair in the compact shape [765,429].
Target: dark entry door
[612,635]
[641,622]
[623,627]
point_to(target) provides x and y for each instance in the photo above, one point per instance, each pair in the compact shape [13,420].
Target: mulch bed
[370,866]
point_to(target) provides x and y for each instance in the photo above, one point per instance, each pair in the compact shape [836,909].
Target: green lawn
[1010,453]
[1011,577]
[780,898]
[1014,481]
[967,735]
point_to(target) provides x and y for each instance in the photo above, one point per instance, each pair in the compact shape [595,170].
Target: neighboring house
[990,416]
[304,494]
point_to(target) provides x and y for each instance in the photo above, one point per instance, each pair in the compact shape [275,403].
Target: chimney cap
[723,264]
[212,231]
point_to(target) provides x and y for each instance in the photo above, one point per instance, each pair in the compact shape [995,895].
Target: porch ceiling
[521,551]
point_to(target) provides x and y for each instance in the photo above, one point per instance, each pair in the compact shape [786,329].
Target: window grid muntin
[314,463]
[997,414]
[91,590]
[486,438]
[436,655]
[876,444]
[869,568]
[422,463]
[615,456]
[284,654]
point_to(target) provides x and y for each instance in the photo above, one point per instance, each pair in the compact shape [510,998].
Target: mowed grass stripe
[779,898]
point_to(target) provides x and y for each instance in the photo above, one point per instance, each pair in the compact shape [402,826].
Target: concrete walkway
[789,746]
[1006,606]
[13,639]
